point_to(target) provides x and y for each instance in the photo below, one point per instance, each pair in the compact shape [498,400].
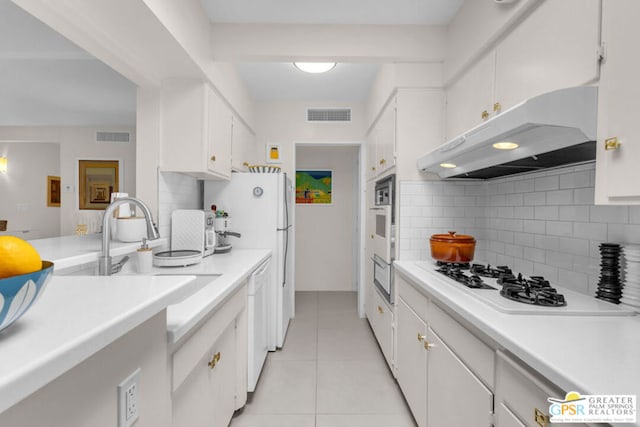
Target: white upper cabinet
[381,150]
[617,172]
[556,46]
[469,98]
[196,130]
[243,150]
[553,48]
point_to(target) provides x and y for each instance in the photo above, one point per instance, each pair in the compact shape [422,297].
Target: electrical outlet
[128,400]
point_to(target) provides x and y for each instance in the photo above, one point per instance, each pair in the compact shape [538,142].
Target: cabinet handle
[540,418]
[373,168]
[372,236]
[213,158]
[421,337]
[380,310]
[485,115]
[611,143]
[383,161]
[427,345]
[497,107]
[214,360]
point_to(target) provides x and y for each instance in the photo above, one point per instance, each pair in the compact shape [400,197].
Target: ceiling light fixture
[505,145]
[447,165]
[3,164]
[315,67]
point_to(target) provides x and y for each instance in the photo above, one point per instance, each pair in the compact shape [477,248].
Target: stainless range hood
[553,129]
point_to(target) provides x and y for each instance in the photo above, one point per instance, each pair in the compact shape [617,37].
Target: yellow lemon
[17,257]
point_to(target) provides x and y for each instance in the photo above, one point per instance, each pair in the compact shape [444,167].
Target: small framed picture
[274,152]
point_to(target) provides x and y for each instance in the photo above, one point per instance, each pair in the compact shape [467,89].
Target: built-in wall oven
[383,213]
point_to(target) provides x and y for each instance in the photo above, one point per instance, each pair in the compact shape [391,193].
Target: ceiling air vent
[328,114]
[113,137]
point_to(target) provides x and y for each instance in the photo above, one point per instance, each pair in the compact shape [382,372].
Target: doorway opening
[328,217]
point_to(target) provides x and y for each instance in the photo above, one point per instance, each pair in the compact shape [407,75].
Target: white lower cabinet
[411,360]
[209,368]
[383,327]
[522,395]
[439,387]
[207,397]
[456,397]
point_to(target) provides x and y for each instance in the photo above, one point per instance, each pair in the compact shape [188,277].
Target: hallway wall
[325,234]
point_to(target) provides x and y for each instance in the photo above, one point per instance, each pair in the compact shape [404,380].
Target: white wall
[286,123]
[543,223]
[325,239]
[176,191]
[23,189]
[78,143]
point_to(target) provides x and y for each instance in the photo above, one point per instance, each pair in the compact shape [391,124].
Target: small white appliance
[192,229]
[261,207]
[192,238]
[257,319]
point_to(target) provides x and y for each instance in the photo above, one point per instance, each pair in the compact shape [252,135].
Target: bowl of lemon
[23,277]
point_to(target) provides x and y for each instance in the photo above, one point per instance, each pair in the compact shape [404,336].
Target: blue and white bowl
[19,293]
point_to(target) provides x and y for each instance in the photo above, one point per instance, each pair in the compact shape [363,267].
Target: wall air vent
[113,137]
[328,114]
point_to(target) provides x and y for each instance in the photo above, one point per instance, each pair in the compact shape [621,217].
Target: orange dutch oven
[452,247]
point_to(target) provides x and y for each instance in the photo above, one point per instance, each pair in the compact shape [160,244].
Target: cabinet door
[617,173]
[386,138]
[506,417]
[553,48]
[371,167]
[451,384]
[242,146]
[223,378]
[220,135]
[207,397]
[411,360]
[469,97]
[383,327]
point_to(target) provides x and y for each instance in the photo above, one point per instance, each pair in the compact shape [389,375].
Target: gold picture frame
[97,180]
[54,191]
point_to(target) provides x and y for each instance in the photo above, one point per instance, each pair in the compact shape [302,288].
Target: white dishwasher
[258,290]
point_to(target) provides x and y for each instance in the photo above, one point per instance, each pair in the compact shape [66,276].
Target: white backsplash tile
[176,191]
[542,223]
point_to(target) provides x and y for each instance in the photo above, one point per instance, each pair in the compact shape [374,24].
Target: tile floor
[330,373]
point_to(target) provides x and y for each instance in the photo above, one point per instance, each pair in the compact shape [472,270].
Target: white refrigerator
[260,208]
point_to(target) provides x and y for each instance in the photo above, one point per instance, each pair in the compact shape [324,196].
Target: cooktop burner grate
[534,290]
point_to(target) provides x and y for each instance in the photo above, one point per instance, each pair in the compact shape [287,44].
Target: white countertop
[70,251]
[234,267]
[79,315]
[587,354]
[75,318]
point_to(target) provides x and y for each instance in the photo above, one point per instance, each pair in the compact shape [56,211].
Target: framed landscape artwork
[314,187]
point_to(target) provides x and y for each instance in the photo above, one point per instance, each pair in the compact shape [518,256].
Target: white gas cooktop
[577,304]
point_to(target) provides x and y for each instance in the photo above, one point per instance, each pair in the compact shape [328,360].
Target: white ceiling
[391,12]
[270,81]
[47,80]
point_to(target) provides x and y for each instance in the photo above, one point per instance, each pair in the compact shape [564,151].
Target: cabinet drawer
[523,392]
[198,345]
[478,356]
[412,297]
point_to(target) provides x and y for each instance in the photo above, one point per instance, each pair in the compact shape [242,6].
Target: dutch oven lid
[452,237]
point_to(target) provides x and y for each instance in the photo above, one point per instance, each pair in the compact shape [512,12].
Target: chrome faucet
[105,266]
